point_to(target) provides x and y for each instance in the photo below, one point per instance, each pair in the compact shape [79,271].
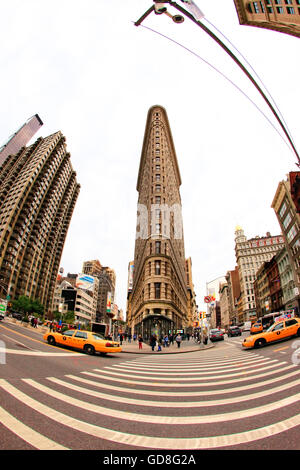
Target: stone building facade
[278,15]
[159,300]
[38,192]
[250,255]
[286,204]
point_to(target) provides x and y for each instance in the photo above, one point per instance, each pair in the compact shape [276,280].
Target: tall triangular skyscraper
[158,296]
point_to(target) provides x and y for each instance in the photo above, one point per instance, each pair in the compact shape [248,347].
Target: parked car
[247,326]
[216,335]
[86,341]
[277,332]
[17,315]
[234,331]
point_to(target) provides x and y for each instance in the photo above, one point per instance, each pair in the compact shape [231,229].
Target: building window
[288,2]
[280,10]
[292,233]
[255,6]
[287,220]
[157,268]
[157,248]
[157,290]
[157,188]
[282,209]
[277,2]
[290,10]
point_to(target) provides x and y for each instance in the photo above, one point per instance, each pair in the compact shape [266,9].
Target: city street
[219,398]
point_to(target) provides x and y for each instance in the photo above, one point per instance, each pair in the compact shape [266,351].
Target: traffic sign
[207,299]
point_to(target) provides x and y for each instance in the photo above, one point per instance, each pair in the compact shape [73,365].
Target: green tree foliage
[28,306]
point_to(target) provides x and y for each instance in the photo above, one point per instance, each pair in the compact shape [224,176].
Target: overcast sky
[89,72]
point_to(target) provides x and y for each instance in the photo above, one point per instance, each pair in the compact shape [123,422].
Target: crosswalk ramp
[157,402]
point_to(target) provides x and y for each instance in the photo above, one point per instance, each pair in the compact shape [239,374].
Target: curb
[168,353]
[39,330]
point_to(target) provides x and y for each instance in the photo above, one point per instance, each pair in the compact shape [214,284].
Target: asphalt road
[223,398]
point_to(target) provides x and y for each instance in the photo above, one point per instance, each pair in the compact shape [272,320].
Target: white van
[247,326]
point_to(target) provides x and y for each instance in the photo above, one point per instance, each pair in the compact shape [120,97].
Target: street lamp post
[159,8]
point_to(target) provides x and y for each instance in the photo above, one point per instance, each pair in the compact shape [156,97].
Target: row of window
[258,7]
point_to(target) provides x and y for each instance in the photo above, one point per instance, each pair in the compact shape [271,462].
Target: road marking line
[137,367]
[175,404]
[40,353]
[196,374]
[27,434]
[152,442]
[281,349]
[162,360]
[186,383]
[176,394]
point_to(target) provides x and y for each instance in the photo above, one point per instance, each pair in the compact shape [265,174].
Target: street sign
[207,299]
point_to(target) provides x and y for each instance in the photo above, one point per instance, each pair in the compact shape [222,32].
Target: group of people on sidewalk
[165,341]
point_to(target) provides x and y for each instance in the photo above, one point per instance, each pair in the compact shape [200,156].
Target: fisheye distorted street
[150,229]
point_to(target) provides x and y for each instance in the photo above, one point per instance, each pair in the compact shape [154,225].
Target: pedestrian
[134,337]
[35,322]
[166,341]
[153,342]
[140,340]
[121,338]
[32,321]
[171,339]
[129,338]
[178,340]
[51,326]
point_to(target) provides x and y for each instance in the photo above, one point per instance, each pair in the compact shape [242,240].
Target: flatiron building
[38,192]
[158,299]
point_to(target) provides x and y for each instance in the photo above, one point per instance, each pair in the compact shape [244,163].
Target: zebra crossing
[170,402]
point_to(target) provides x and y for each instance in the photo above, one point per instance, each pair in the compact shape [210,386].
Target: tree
[27,305]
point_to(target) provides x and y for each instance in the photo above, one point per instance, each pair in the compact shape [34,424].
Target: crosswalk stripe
[187,383]
[181,393]
[162,360]
[27,434]
[176,404]
[193,369]
[177,420]
[152,441]
[166,375]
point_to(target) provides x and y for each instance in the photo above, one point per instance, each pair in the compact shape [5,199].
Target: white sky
[89,72]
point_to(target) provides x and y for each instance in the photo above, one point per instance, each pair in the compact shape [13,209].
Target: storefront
[158,325]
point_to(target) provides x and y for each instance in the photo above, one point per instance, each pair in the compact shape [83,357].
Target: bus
[267,320]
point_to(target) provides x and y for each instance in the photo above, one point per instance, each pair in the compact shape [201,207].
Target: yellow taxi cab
[256,328]
[281,329]
[86,341]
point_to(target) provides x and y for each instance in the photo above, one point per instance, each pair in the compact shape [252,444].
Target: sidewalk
[133,347]
[185,347]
